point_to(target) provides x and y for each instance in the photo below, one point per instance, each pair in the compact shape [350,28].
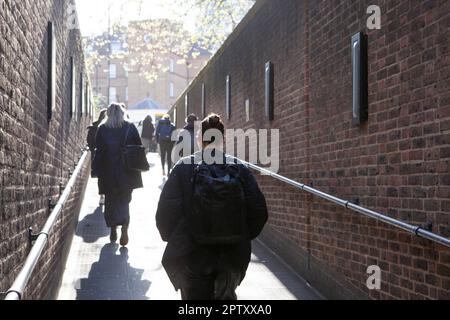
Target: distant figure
[164,132]
[92,133]
[189,128]
[209,212]
[92,130]
[148,130]
[115,182]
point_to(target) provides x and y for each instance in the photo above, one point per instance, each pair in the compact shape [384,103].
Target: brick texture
[36,155]
[397,163]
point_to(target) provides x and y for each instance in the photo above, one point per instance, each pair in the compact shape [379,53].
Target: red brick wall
[35,156]
[396,163]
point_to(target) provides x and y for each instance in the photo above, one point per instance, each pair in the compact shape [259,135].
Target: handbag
[134,157]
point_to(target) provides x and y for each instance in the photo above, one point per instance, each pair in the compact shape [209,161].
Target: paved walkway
[99,270]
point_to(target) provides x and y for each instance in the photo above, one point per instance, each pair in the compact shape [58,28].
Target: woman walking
[209,211]
[115,181]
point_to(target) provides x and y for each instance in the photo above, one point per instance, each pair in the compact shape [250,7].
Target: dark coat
[148,129]
[171,219]
[92,133]
[107,165]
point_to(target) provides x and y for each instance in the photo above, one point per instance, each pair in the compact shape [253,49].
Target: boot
[113,236]
[124,237]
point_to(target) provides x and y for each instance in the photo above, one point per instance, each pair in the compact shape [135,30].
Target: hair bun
[214,120]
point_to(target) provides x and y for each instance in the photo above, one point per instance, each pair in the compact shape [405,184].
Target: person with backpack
[116,181]
[209,212]
[148,129]
[164,132]
[91,135]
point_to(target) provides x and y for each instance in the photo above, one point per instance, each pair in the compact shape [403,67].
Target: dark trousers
[210,276]
[166,152]
[117,209]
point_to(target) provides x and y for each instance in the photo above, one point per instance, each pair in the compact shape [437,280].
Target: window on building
[171,90]
[112,95]
[126,94]
[172,65]
[116,47]
[112,71]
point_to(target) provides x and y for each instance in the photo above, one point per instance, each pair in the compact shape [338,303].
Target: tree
[216,19]
[147,42]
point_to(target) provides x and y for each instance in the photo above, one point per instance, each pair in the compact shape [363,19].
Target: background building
[114,78]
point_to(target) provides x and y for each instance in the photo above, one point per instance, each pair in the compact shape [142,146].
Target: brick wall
[396,163]
[36,155]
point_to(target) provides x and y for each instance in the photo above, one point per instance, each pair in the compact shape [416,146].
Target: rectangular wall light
[51,71]
[247,110]
[82,102]
[73,88]
[269,91]
[175,116]
[228,97]
[360,80]
[186,105]
[203,101]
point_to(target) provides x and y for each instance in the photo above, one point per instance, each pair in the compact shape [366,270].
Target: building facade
[113,79]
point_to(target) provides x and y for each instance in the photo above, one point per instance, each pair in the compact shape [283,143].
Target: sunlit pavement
[99,270]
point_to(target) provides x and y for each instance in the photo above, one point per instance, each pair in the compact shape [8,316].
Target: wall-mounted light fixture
[51,71]
[186,105]
[82,101]
[203,101]
[360,80]
[247,110]
[269,91]
[228,97]
[73,88]
[175,115]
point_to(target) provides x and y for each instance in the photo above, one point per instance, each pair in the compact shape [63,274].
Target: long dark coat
[173,225]
[107,165]
[148,129]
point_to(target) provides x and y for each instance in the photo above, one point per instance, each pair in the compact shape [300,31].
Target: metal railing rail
[416,230]
[19,285]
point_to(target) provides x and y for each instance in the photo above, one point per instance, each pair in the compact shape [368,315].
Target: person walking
[188,130]
[92,133]
[164,132]
[148,130]
[115,181]
[209,212]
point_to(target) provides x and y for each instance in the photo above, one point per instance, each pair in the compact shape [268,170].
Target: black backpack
[218,215]
[165,133]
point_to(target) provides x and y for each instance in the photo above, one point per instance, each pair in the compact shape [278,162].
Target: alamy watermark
[234,144]
[374,280]
[374,20]
[72,16]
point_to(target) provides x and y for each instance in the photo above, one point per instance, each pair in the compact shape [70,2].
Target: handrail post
[20,283]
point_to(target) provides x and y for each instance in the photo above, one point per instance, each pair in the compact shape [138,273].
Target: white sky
[93,14]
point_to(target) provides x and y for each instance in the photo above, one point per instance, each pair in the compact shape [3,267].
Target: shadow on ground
[281,273]
[112,278]
[93,227]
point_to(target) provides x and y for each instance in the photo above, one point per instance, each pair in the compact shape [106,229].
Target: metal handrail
[416,230]
[18,287]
